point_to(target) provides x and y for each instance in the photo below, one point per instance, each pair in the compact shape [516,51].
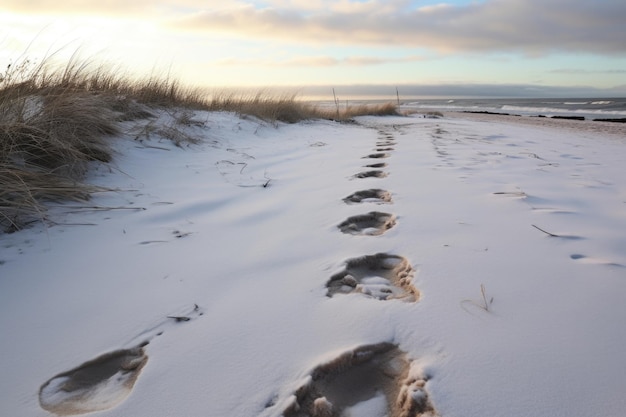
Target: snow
[244,226]
[374,407]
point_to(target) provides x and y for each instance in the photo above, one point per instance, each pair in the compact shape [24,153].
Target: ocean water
[595,108]
[589,108]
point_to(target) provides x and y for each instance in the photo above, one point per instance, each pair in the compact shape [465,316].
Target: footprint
[381,276]
[594,261]
[377,155]
[369,380]
[373,223]
[369,196]
[552,210]
[371,174]
[386,143]
[104,382]
[517,194]
[376,165]
[384,149]
[96,385]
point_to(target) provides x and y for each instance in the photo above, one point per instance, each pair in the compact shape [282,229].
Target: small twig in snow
[179,318]
[547,233]
[268,180]
[486,303]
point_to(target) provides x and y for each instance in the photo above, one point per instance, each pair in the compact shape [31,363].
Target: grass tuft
[56,120]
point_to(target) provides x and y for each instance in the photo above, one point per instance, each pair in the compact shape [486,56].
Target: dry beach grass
[54,120]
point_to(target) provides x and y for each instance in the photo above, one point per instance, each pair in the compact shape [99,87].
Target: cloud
[462,90]
[532,27]
[119,8]
[317,61]
[577,71]
[320,61]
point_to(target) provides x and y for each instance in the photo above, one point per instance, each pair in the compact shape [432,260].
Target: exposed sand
[381,276]
[368,374]
[96,385]
[373,223]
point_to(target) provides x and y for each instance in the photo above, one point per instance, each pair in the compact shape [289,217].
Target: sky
[554,46]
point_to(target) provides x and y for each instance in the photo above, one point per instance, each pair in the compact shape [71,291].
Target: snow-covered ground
[218,256]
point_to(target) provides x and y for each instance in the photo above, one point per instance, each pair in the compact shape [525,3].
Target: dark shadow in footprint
[376,165]
[381,276]
[384,149]
[376,155]
[372,224]
[594,261]
[386,143]
[519,194]
[96,385]
[552,210]
[371,174]
[374,377]
[369,196]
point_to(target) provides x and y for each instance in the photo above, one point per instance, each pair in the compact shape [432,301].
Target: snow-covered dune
[479,271]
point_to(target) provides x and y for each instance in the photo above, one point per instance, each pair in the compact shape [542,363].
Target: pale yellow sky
[318,42]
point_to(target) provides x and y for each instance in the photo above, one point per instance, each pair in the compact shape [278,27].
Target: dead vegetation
[288,109]
[484,303]
[57,119]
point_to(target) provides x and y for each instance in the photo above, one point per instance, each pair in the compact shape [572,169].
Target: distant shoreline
[580,118]
[587,125]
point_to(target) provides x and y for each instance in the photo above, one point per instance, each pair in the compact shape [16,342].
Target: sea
[589,108]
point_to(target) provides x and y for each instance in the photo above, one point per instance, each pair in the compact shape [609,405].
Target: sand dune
[473,266]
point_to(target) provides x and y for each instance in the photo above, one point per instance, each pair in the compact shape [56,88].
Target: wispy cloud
[317,61]
[147,9]
[527,26]
[579,71]
[532,27]
[463,90]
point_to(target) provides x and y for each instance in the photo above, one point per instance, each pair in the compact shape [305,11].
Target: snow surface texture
[202,286]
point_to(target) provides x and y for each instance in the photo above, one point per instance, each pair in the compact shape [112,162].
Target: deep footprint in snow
[594,261]
[369,196]
[96,385]
[373,223]
[374,380]
[371,174]
[376,165]
[384,149]
[104,382]
[381,276]
[377,155]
